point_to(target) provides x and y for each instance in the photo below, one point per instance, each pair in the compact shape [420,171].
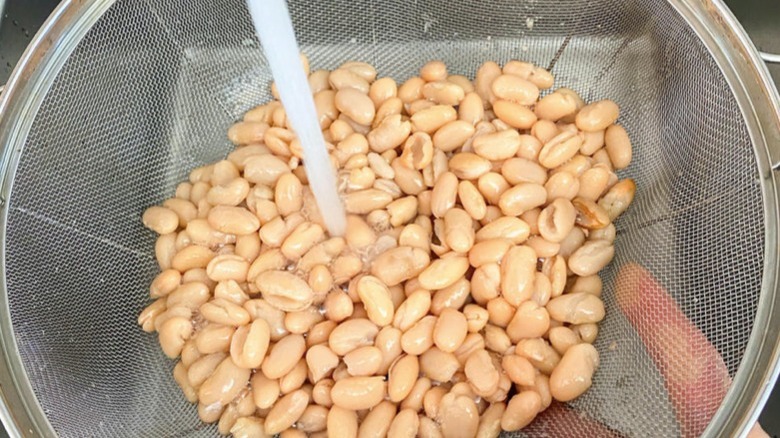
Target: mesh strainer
[116,100]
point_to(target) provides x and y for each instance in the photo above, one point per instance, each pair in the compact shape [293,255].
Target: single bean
[556,106]
[412,309]
[214,338]
[343,78]
[530,321]
[452,135]
[591,257]
[402,211]
[500,312]
[521,411]
[227,267]
[517,274]
[593,182]
[431,119]
[247,132]
[381,90]
[576,308]
[539,353]
[250,344]
[225,384]
[313,419]
[462,81]
[319,333]
[433,71]
[342,423]
[573,375]
[365,201]
[590,284]
[476,317]
[555,269]
[419,337]
[321,392]
[450,330]
[618,198]
[362,69]
[519,369]
[511,228]
[438,365]
[490,422]
[411,90]
[265,391]
[516,115]
[233,220]
[404,425]
[469,166]
[443,92]
[264,169]
[471,109]
[597,116]
[543,247]
[210,413]
[191,257]
[164,283]
[590,215]
[428,428]
[357,393]
[286,412]
[392,131]
[515,89]
[249,427]
[488,251]
[284,290]
[451,297]
[521,170]
[481,373]
[295,378]
[402,377]
[443,272]
[497,146]
[557,220]
[486,282]
[458,416]
[563,338]
[562,185]
[522,197]
[586,332]
[173,333]
[377,422]
[542,289]
[415,236]
[536,75]
[560,149]
[283,356]
[399,264]
[363,361]
[301,321]
[618,146]
[352,334]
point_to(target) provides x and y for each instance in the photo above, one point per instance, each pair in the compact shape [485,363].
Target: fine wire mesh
[150,91]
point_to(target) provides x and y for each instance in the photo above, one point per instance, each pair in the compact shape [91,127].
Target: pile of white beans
[464,297]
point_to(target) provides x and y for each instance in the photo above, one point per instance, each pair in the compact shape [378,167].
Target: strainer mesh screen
[151,90]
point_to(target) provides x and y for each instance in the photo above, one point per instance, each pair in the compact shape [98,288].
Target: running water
[274,27]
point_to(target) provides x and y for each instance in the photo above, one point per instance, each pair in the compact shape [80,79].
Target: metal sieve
[116,100]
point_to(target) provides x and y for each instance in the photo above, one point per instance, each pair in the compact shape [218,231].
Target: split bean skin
[462,300]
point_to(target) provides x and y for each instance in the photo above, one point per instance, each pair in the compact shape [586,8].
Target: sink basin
[761,19]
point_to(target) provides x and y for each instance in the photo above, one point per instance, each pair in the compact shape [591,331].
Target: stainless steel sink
[761,19]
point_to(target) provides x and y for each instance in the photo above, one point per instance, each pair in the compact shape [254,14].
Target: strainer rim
[20,410]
